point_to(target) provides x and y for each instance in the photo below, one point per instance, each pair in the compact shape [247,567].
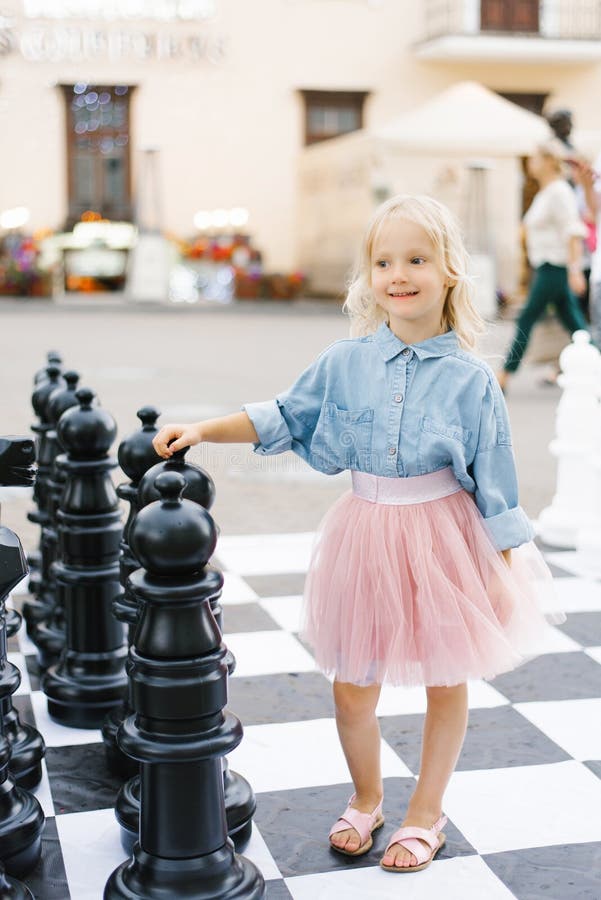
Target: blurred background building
[277,125]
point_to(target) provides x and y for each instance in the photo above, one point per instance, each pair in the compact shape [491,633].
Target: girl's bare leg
[444,733]
[360,737]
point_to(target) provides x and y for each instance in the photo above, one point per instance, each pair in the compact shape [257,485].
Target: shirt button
[391,451]
[406,351]
[398,398]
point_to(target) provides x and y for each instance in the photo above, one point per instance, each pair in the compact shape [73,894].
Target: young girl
[412,578]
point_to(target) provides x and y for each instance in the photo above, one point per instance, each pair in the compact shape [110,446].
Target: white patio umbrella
[467,118]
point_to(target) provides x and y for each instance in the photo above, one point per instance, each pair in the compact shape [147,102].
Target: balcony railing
[572,20]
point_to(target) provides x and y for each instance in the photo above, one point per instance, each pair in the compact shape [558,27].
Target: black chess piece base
[221,875]
[84,705]
[11,889]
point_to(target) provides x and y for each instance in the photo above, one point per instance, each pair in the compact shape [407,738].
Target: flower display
[251,282]
[20,270]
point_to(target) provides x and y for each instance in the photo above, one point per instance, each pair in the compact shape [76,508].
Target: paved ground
[194,363]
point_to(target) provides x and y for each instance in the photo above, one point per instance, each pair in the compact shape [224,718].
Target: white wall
[231,134]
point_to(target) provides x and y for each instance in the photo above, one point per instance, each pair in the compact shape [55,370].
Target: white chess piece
[576,505]
[588,537]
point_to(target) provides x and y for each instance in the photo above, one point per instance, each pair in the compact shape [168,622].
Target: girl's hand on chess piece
[174,437]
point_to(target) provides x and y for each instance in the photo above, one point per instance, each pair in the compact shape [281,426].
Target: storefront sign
[161,10]
[75,43]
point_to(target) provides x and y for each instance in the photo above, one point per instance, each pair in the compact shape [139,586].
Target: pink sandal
[407,837]
[363,823]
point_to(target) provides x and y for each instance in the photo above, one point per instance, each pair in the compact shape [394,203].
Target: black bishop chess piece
[136,455]
[240,802]
[180,729]
[89,680]
[21,816]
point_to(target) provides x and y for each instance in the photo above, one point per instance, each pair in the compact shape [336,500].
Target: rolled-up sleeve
[495,476]
[288,421]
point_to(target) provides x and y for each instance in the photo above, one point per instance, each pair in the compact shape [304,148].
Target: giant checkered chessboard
[524,804]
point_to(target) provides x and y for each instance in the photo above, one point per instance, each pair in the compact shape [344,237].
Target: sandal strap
[407,836]
[363,823]
[421,853]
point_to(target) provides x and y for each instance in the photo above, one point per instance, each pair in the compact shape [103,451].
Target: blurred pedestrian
[554,234]
[591,182]
[561,123]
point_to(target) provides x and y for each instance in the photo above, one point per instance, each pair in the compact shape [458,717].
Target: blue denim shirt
[378,405]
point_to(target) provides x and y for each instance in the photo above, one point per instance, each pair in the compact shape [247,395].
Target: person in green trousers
[554,234]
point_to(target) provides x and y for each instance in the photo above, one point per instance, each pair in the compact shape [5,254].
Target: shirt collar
[390,345]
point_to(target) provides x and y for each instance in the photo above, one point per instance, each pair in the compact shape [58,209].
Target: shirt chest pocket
[347,435]
[440,444]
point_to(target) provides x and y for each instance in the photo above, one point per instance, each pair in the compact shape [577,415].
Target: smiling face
[407,280]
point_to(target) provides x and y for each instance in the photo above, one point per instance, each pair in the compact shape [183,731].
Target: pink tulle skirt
[405,587]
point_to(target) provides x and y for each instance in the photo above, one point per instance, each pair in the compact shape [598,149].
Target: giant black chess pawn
[42,391]
[41,608]
[11,889]
[240,802]
[39,516]
[53,357]
[47,631]
[89,680]
[180,729]
[21,816]
[199,488]
[136,455]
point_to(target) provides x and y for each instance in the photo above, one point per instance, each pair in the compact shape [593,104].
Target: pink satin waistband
[403,491]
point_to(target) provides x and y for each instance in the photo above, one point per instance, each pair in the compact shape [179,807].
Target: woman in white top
[554,233]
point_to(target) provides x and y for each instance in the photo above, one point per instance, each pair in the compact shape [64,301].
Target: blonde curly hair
[459,312]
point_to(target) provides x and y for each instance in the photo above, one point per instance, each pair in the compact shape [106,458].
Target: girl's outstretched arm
[234,429]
